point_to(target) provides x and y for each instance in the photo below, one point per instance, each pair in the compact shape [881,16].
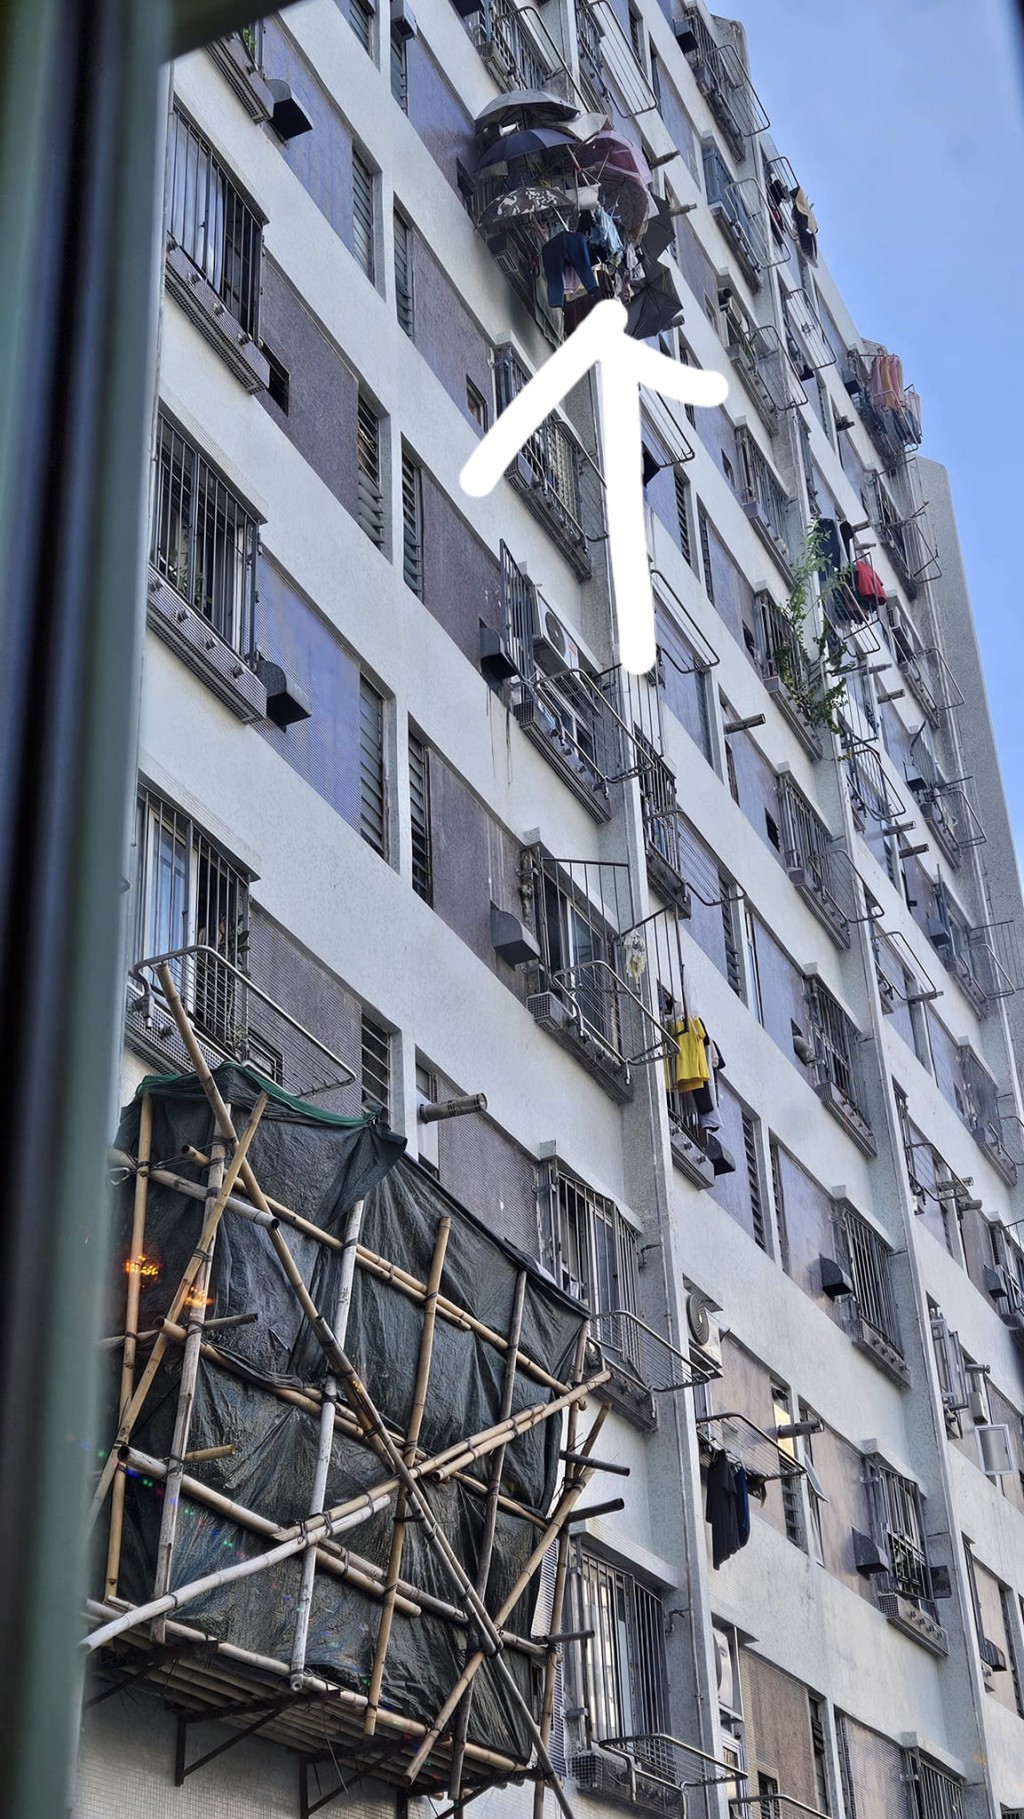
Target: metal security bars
[596,1254]
[207,218]
[756,352]
[185,892]
[776,649]
[978,1103]
[520,55]
[839,1082]
[817,864]
[373,815]
[419,808]
[369,489]
[868,1260]
[362,214]
[903,536]
[616,1684]
[403,274]
[722,80]
[934,1793]
[549,470]
[203,541]
[765,500]
[412,524]
[898,1521]
[738,209]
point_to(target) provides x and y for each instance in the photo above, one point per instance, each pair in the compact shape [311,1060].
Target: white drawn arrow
[623,366]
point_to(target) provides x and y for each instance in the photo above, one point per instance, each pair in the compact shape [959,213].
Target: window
[375,1064]
[775,1164]
[733,970]
[369,490]
[360,18]
[549,471]
[683,516]
[898,1521]
[705,551]
[419,803]
[203,541]
[412,524]
[476,404]
[754,1181]
[372,785]
[403,273]
[815,1494]
[362,214]
[753,966]
[597,1249]
[400,70]
[636,35]
[427,1134]
[816,1714]
[580,951]
[616,1683]
[836,1044]
[845,1766]
[188,895]
[934,1794]
[206,216]
[868,1259]
[278,385]
[789,1485]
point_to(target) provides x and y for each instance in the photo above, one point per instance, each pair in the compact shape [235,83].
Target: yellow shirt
[688,1068]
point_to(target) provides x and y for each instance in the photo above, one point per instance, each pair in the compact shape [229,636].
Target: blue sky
[904,121]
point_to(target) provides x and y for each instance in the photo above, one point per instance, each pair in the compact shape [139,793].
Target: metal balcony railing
[738,208]
[933,682]
[613,60]
[758,1452]
[234,1019]
[656,1753]
[551,472]
[817,864]
[906,536]
[839,1083]
[807,343]
[515,51]
[765,500]
[894,428]
[723,82]
[980,1109]
[770,1806]
[778,652]
[758,356]
[630,1343]
[872,793]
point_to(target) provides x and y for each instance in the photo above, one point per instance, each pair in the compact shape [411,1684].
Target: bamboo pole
[564,1508]
[186,1394]
[461,1727]
[131,1321]
[419,1403]
[547,1709]
[335,1521]
[210,1224]
[192,1190]
[328,1413]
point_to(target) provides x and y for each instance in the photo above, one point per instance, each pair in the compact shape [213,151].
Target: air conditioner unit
[403,22]
[550,1011]
[996,1282]
[552,646]
[703,1328]
[870,1556]
[835,1280]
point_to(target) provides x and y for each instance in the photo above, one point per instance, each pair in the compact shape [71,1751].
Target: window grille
[763,495]
[419,799]
[597,1252]
[400,71]
[836,1045]
[935,1794]
[616,1682]
[369,491]
[187,894]
[375,1063]
[733,969]
[738,208]
[216,230]
[360,18]
[372,786]
[683,516]
[403,274]
[203,541]
[816,863]
[869,1261]
[899,1522]
[789,1481]
[754,1181]
[846,1781]
[362,214]
[549,469]
[705,551]
[412,524]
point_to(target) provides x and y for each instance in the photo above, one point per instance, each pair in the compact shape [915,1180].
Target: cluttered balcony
[722,81]
[818,865]
[890,411]
[738,207]
[566,206]
[997,1133]
[777,651]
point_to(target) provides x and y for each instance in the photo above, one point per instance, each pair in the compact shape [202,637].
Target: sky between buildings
[904,121]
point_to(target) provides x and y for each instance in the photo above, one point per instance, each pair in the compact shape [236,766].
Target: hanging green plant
[816,681]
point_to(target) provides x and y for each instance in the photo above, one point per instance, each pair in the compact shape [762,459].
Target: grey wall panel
[491,1175]
[323,393]
[461,579]
[443,122]
[452,344]
[321,159]
[325,748]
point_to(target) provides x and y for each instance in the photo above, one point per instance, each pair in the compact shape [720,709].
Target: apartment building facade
[409,834]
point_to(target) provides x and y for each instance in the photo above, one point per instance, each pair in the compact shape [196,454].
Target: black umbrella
[660,233]
[525,107]
[653,306]
[524,142]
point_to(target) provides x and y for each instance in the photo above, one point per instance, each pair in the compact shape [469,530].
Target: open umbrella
[528,199]
[587,126]
[653,306]
[525,107]
[659,232]
[628,199]
[524,142]
[613,152]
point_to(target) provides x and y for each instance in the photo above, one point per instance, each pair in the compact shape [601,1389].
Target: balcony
[609,65]
[777,651]
[870,1312]
[738,207]
[722,81]
[518,49]
[817,864]
[839,1080]
[978,1102]
[757,355]
[767,504]
[890,411]
[667,1763]
[551,472]
[234,1018]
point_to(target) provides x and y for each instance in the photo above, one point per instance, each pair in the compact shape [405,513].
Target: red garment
[867,584]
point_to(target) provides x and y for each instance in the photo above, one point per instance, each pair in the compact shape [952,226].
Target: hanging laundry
[688,1068]
[867,584]
[727,1508]
[561,250]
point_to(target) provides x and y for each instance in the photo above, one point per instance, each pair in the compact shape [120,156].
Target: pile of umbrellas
[558,162]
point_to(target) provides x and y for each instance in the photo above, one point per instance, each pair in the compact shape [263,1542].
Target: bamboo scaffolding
[342,1517]
[419,1403]
[462,1716]
[328,1415]
[547,1708]
[128,1356]
[210,1224]
[568,1498]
